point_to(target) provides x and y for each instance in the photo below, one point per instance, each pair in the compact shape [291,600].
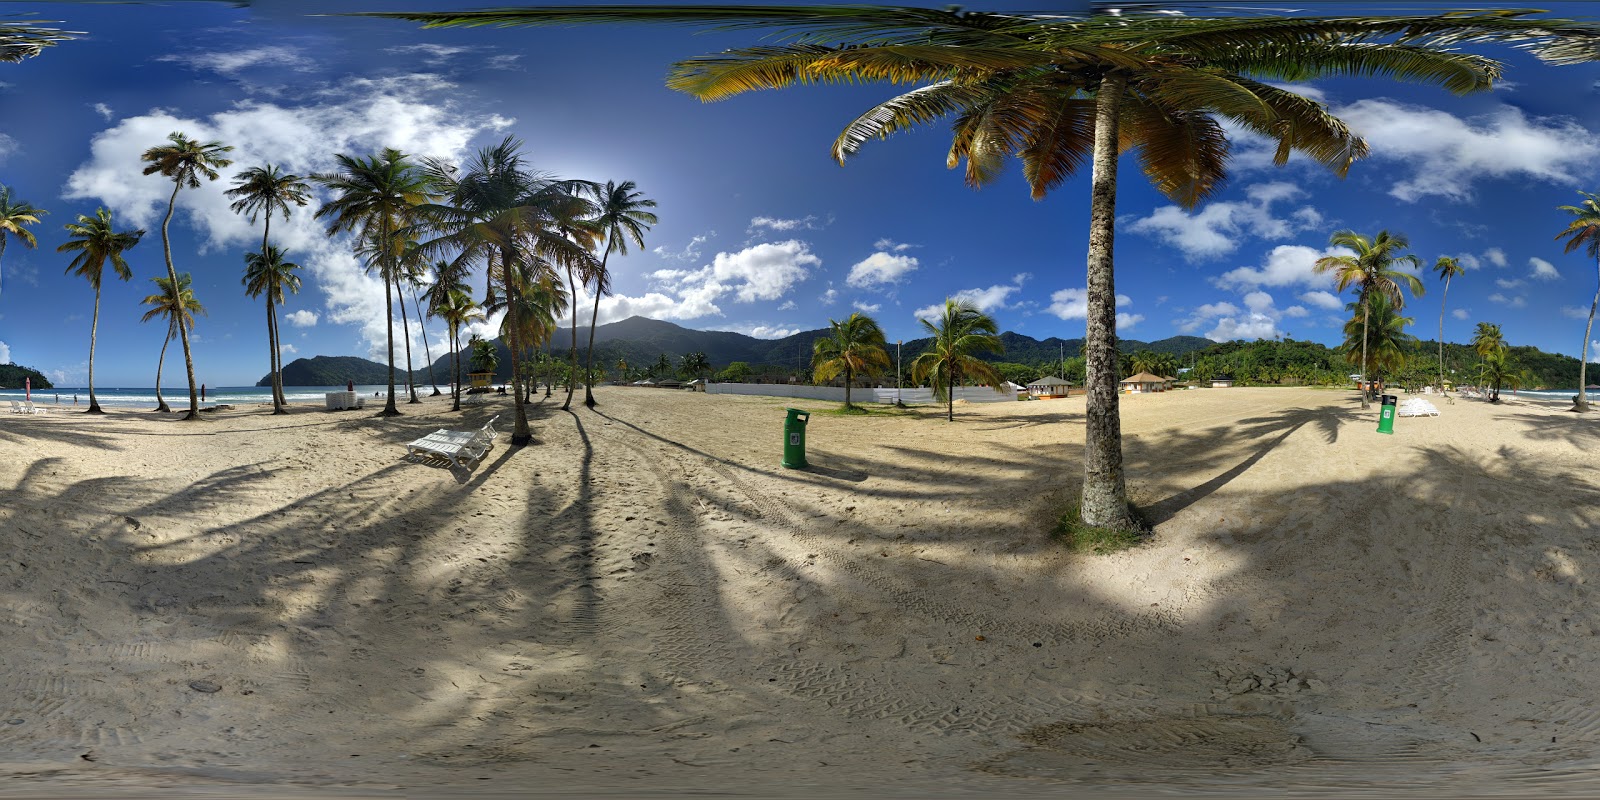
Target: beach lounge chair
[457,447]
[1417,407]
[16,407]
[29,407]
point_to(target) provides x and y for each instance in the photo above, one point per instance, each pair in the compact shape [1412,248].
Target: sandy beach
[644,599]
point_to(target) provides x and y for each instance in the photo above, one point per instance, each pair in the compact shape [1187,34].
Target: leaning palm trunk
[1366,388]
[183,330]
[848,379]
[389,409]
[455,371]
[94,327]
[588,369]
[405,329]
[272,358]
[950,400]
[161,405]
[572,375]
[1105,491]
[427,352]
[1442,301]
[1582,403]
[521,434]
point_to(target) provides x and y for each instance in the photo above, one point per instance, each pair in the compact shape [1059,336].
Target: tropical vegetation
[1584,231]
[855,348]
[959,334]
[267,273]
[1446,268]
[94,241]
[177,305]
[16,215]
[260,191]
[1374,269]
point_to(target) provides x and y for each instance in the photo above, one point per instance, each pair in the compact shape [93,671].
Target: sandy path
[643,598]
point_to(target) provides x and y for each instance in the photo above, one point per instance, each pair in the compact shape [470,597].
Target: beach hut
[696,385]
[1222,383]
[670,383]
[480,380]
[1048,388]
[1143,383]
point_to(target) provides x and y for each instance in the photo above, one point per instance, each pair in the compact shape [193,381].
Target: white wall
[971,394]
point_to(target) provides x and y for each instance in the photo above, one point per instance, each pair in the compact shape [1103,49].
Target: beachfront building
[1143,383]
[1016,390]
[480,380]
[1049,388]
[1222,383]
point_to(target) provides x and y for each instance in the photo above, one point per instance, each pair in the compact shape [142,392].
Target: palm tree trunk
[847,382]
[277,359]
[1582,403]
[520,435]
[1365,389]
[588,370]
[1442,300]
[94,327]
[455,371]
[427,352]
[405,329]
[161,405]
[272,358]
[389,409]
[2,244]
[183,330]
[572,375]
[950,399]
[1105,490]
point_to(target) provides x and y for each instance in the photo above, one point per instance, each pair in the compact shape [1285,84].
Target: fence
[970,394]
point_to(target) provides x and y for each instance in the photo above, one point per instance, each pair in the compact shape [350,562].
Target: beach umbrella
[28,387]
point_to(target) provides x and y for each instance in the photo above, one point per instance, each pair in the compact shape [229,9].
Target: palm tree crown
[855,347]
[96,242]
[176,306]
[186,160]
[15,215]
[622,216]
[1371,270]
[1584,231]
[266,189]
[960,331]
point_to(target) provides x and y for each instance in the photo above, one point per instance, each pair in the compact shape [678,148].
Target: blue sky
[760,231]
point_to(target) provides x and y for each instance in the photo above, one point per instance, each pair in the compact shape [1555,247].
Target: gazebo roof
[1050,380]
[1143,377]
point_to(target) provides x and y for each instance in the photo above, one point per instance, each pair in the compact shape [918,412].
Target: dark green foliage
[12,376]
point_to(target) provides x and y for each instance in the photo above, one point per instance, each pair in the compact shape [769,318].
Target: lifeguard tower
[480,381]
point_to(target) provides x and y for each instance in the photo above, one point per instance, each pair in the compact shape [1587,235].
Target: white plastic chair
[16,407]
[457,447]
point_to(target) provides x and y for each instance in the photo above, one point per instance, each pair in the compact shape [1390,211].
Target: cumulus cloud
[690,251]
[788,305]
[1574,312]
[761,224]
[1284,265]
[8,146]
[987,300]
[1219,227]
[759,330]
[1324,300]
[1542,270]
[231,62]
[829,297]
[5,353]
[1461,313]
[302,318]
[880,269]
[288,349]
[1257,320]
[1516,301]
[760,272]
[104,111]
[413,113]
[866,308]
[889,245]
[1495,256]
[1514,283]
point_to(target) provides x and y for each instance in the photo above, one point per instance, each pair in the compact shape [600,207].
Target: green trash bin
[1386,416]
[794,439]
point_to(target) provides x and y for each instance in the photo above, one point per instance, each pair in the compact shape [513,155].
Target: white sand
[643,599]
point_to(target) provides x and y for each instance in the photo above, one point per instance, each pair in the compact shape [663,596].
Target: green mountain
[335,371]
[13,376]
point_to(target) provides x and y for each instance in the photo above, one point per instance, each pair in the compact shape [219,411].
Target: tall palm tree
[261,191]
[457,310]
[622,218]
[15,215]
[178,306]
[1584,231]
[961,331]
[1372,269]
[696,365]
[1497,371]
[1446,268]
[185,161]
[95,242]
[268,273]
[856,346]
[1377,329]
[1488,340]
[1057,91]
[574,221]
[373,197]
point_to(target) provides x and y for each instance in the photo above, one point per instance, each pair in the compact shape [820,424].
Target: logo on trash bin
[794,439]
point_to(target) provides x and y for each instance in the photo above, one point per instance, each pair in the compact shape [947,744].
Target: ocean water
[178,397]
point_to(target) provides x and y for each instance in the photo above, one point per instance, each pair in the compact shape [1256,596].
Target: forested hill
[13,376]
[337,371]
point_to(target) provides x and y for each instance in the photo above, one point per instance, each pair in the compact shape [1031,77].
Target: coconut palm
[1376,334]
[1058,91]
[695,365]
[373,197]
[15,215]
[662,367]
[95,242]
[1372,269]
[457,310]
[485,358]
[622,218]
[855,347]
[261,191]
[268,273]
[1487,340]
[178,306]
[1498,371]
[21,39]
[1446,268]
[185,161]
[960,331]
[1584,231]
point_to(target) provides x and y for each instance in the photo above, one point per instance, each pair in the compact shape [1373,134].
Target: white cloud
[690,251]
[104,111]
[1218,227]
[1296,311]
[1285,265]
[1325,300]
[758,224]
[879,269]
[8,146]
[1461,313]
[1508,284]
[430,53]
[505,61]
[765,271]
[829,297]
[759,331]
[1021,278]
[892,246]
[866,308]
[412,113]
[986,300]
[1575,312]
[1514,302]
[1074,303]
[1542,270]
[788,305]
[301,318]
[1258,320]
[1495,256]
[289,349]
[231,62]
[5,353]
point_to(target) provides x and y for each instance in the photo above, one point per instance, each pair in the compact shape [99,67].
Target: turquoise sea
[178,397]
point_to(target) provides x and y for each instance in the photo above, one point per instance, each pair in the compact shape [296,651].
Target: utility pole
[898,370]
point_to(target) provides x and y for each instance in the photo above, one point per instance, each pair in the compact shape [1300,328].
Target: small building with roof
[1143,383]
[1048,388]
[1222,382]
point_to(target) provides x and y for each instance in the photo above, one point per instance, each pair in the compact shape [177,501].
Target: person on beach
[202,393]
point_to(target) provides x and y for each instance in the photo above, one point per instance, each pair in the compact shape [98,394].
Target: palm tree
[178,306]
[855,347]
[185,161]
[961,331]
[1057,91]
[374,195]
[1371,270]
[1584,231]
[96,243]
[1446,268]
[1487,340]
[21,39]
[1376,334]
[622,217]
[261,191]
[696,365]
[484,356]
[1496,371]
[15,213]
[268,273]
[457,310]
[662,367]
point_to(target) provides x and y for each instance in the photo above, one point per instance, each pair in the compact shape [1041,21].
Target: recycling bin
[794,438]
[1386,416]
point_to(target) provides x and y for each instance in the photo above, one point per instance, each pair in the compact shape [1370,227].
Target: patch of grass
[874,410]
[1079,537]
